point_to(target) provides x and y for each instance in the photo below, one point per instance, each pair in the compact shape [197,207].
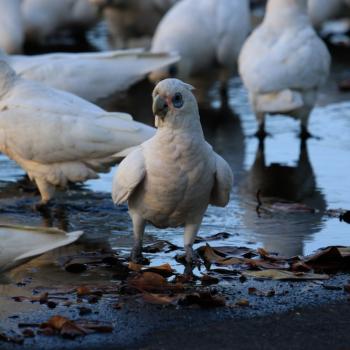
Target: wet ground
[284,170]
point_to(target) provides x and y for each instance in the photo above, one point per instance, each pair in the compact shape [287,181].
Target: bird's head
[174,104]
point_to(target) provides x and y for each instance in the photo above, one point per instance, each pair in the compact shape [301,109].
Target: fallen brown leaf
[160,246]
[159,299]
[242,302]
[164,270]
[152,282]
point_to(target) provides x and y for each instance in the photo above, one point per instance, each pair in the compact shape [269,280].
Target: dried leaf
[217,236]
[160,246]
[159,299]
[164,270]
[152,282]
[242,302]
[209,280]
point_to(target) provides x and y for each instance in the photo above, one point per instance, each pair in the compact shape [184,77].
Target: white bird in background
[284,63]
[171,179]
[202,32]
[43,18]
[19,244]
[92,76]
[130,19]
[323,10]
[11,27]
[57,137]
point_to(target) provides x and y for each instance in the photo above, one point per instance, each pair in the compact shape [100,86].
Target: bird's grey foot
[304,133]
[136,255]
[43,207]
[192,260]
[261,134]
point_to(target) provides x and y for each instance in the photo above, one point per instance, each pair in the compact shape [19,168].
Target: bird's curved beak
[160,107]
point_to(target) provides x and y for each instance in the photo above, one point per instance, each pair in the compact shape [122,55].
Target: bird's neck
[191,130]
[283,13]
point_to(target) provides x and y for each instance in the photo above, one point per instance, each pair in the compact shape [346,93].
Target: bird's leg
[304,119]
[304,133]
[261,133]
[189,237]
[47,191]
[139,228]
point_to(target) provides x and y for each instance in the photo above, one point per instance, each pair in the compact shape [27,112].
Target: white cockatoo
[171,179]
[323,10]
[129,19]
[57,137]
[283,63]
[43,18]
[92,76]
[19,244]
[11,28]
[202,32]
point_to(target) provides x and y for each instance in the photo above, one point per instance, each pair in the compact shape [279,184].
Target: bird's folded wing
[220,194]
[272,62]
[90,75]
[129,175]
[51,128]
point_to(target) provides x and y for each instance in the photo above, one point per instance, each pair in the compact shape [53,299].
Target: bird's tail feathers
[279,102]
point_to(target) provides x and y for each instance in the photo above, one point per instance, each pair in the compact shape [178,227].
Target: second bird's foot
[137,257]
[261,134]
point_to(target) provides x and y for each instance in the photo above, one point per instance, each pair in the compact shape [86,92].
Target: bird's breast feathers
[178,184]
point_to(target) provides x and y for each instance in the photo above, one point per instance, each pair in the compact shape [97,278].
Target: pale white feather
[203,32]
[12,30]
[92,76]
[58,137]
[43,18]
[283,63]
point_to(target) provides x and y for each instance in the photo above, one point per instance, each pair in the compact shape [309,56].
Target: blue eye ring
[177,100]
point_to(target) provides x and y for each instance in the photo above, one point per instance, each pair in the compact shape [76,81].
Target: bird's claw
[261,134]
[137,257]
[192,261]
[42,207]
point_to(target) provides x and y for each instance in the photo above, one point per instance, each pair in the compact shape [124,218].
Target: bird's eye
[177,100]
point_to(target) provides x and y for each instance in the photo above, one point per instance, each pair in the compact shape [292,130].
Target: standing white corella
[202,32]
[57,137]
[12,29]
[92,76]
[322,10]
[171,179]
[284,63]
[44,18]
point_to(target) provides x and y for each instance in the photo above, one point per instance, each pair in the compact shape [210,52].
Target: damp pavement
[312,314]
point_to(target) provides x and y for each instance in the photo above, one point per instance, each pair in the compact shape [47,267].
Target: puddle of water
[315,175]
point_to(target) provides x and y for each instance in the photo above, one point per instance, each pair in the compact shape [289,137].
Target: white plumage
[92,76]
[21,243]
[203,32]
[43,18]
[171,179]
[323,10]
[283,63]
[11,30]
[57,137]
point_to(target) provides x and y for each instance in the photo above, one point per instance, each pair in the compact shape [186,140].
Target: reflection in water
[283,232]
